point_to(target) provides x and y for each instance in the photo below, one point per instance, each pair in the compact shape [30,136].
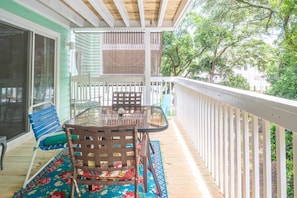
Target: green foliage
[286,84]
[237,82]
[178,54]
[284,76]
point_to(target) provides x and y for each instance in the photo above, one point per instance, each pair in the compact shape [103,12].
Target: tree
[180,52]
[284,76]
[213,42]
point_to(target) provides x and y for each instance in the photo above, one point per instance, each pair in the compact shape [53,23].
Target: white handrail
[230,129]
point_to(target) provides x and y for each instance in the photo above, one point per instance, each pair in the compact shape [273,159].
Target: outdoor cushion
[57,139]
[116,175]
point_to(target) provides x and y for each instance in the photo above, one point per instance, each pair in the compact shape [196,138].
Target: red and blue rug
[54,181]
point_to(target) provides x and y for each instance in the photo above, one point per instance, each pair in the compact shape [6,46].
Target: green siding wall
[13,7]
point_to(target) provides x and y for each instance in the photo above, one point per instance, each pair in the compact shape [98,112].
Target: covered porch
[227,131]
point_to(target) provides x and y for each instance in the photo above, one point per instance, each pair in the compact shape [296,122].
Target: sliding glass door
[14,68]
[16,65]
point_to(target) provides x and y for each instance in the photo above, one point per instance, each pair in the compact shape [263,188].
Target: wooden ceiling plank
[141,12]
[84,11]
[123,11]
[63,10]
[163,5]
[100,7]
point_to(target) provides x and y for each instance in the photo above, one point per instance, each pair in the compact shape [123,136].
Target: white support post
[147,69]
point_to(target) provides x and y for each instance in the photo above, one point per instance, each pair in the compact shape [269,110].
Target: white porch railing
[85,90]
[230,129]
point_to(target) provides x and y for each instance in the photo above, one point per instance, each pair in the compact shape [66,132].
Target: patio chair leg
[151,169]
[150,143]
[30,168]
[4,146]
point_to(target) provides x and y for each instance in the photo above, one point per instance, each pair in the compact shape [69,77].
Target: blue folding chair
[47,130]
[166,104]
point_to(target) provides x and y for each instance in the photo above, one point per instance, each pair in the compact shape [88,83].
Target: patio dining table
[149,119]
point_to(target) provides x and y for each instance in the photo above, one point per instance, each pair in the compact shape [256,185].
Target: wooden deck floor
[184,177]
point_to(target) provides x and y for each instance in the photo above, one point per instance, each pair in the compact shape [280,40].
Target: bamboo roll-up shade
[124,52]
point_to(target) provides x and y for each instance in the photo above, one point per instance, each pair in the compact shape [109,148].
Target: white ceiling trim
[123,11]
[162,12]
[103,11]
[63,10]
[141,12]
[124,29]
[44,11]
[81,8]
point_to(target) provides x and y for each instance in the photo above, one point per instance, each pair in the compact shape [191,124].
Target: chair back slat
[126,100]
[45,121]
[100,149]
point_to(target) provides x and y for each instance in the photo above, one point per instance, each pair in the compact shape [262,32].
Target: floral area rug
[54,181]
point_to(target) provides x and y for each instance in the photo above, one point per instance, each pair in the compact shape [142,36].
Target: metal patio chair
[126,100]
[103,156]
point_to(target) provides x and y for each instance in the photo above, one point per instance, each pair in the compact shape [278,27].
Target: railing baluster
[208,133]
[212,137]
[225,149]
[221,153]
[216,143]
[255,157]
[246,156]
[295,162]
[267,191]
[231,165]
[281,162]
[238,141]
[195,109]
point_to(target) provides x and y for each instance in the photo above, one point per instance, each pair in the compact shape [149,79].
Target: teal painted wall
[63,89]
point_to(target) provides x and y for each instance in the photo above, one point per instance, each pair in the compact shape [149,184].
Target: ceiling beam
[141,13]
[183,9]
[100,7]
[64,11]
[84,11]
[123,11]
[163,5]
